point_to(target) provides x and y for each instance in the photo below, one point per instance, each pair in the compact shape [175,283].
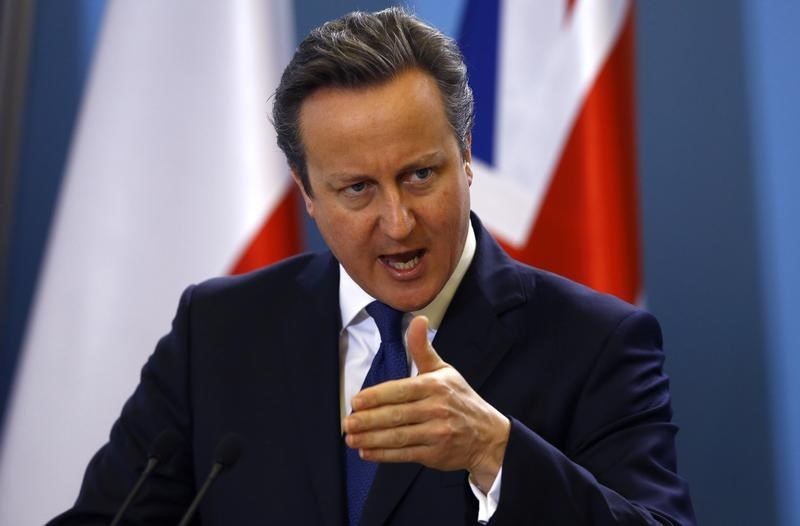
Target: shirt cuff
[487,502]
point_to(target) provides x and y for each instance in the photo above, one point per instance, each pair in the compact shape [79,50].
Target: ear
[468,159]
[309,202]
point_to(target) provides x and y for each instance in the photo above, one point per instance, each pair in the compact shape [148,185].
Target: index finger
[392,392]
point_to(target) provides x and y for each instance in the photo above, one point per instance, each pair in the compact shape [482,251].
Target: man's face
[390,186]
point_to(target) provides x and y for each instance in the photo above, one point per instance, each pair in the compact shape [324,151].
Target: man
[537,402]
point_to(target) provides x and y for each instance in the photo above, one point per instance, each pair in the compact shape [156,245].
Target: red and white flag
[557,184]
[173,177]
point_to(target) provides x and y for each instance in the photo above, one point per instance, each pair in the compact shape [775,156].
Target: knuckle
[425,382]
[402,390]
[442,388]
[442,411]
[445,431]
[401,436]
[396,416]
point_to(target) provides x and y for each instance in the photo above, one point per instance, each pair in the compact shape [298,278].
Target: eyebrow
[423,161]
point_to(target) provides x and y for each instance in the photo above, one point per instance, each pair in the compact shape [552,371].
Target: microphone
[163,448]
[227,453]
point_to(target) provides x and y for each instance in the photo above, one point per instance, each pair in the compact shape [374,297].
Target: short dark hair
[364,49]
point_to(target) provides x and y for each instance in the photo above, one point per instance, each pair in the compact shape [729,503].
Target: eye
[422,174]
[357,188]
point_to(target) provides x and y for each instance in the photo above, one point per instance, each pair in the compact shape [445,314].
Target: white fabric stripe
[548,64]
[173,169]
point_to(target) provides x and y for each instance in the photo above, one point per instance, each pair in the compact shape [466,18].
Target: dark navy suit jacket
[579,373]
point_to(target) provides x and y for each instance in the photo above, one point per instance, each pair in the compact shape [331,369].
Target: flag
[554,137]
[173,177]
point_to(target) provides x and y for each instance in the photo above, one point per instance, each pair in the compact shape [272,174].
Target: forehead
[386,121]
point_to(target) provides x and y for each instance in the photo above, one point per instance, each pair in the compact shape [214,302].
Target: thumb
[420,348]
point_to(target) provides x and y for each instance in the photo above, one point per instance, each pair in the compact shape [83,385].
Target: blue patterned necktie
[390,363]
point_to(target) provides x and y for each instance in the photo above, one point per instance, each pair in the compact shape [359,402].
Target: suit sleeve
[618,464]
[160,401]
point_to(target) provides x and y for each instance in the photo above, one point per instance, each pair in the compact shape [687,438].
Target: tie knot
[388,319]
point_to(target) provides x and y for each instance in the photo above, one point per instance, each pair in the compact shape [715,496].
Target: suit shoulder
[509,282]
[281,280]
[584,322]
[574,302]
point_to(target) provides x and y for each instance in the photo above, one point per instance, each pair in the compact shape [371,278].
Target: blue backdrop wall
[774,83]
[719,164]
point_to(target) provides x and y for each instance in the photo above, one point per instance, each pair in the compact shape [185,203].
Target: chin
[407,303]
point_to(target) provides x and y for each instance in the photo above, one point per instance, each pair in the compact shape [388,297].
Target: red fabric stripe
[588,227]
[570,6]
[278,237]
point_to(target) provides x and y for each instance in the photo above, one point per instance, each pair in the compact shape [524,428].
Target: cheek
[448,208]
[345,231]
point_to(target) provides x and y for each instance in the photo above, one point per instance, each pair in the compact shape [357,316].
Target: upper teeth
[399,265]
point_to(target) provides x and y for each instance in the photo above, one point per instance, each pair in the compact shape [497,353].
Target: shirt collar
[353,299]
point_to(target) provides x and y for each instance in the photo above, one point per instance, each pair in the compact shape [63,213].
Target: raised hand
[434,418]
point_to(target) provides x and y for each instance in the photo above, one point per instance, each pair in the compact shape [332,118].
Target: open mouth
[404,261]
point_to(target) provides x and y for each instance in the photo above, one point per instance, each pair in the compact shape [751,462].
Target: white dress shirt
[359,340]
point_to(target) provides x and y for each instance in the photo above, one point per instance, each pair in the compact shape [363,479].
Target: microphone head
[228,450]
[165,445]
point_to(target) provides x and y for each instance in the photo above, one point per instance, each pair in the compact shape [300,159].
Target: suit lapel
[312,369]
[472,338]
[475,335]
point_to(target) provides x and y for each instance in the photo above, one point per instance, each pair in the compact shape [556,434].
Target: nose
[397,219]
